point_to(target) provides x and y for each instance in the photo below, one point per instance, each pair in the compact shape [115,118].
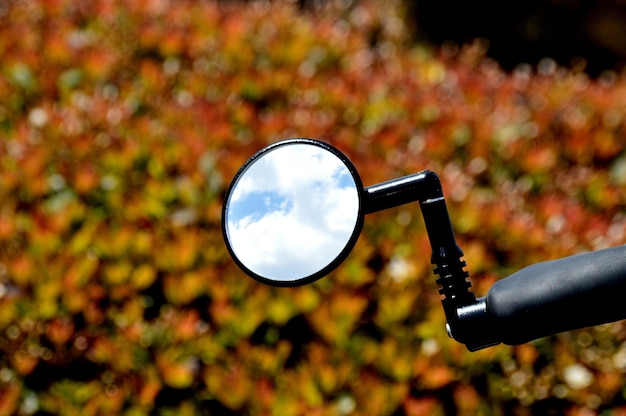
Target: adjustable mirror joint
[467,319]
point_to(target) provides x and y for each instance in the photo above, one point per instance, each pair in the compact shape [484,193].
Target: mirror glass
[293,212]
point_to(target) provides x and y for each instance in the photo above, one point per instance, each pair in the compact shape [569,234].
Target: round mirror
[293,212]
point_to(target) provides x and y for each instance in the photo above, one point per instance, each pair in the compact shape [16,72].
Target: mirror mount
[294,211]
[467,319]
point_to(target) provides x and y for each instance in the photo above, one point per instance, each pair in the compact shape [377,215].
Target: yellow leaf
[176,374]
[279,310]
[143,276]
[117,273]
[181,289]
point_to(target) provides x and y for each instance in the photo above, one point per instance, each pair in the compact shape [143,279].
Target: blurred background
[123,122]
[581,34]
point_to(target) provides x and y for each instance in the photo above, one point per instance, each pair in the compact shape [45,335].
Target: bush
[122,123]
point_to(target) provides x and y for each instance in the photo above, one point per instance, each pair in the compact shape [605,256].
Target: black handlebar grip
[560,295]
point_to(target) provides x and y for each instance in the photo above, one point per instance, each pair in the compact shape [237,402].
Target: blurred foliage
[121,125]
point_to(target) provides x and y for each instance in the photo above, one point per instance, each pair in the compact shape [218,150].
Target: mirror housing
[293,212]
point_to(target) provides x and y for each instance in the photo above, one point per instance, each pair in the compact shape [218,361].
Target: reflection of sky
[292,211]
[255,205]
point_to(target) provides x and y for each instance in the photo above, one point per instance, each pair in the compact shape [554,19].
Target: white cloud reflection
[292,212]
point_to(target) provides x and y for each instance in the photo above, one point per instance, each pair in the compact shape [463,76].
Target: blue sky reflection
[292,212]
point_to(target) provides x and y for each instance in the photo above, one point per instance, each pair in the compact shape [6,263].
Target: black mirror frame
[349,245]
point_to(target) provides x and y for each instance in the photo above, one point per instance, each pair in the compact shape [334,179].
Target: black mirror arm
[466,315]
